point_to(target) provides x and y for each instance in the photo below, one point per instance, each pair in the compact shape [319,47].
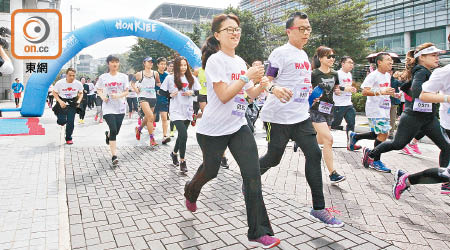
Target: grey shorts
[319,117]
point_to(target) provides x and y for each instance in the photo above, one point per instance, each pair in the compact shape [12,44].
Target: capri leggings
[114,122]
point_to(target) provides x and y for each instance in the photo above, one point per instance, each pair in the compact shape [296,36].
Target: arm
[255,91]
[121,95]
[434,97]
[418,79]
[136,89]
[58,99]
[157,80]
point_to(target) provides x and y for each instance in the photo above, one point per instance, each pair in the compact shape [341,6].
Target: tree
[196,35]
[338,25]
[144,48]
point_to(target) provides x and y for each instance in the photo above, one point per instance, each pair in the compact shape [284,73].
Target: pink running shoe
[406,151]
[139,121]
[265,242]
[415,148]
[400,183]
[101,120]
[96,117]
[191,206]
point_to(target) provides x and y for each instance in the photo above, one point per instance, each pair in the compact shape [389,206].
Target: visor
[429,50]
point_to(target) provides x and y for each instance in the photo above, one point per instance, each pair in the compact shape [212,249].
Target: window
[399,14]
[419,9]
[4,6]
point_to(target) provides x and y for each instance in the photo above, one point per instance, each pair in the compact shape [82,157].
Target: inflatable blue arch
[36,91]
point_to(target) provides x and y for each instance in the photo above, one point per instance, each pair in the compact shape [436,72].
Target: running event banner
[36,91]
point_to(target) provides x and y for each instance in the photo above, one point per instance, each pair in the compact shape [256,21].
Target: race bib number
[420,106]
[385,104]
[325,107]
[68,96]
[301,94]
[239,106]
[190,111]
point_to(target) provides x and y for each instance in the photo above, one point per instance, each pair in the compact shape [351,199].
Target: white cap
[429,50]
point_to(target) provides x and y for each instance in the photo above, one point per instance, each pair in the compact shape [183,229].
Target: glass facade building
[275,9]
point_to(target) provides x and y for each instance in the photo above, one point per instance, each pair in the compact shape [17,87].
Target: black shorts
[202,98]
[151,101]
[319,117]
[278,135]
[161,107]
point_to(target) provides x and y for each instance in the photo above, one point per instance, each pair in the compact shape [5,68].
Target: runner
[112,87]
[395,83]
[91,95]
[285,112]
[418,115]
[98,104]
[17,88]
[377,88]
[132,97]
[145,88]
[172,126]
[223,125]
[84,101]
[68,93]
[162,103]
[50,96]
[321,111]
[343,106]
[182,87]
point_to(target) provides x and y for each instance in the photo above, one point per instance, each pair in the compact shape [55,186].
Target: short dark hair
[111,58]
[161,59]
[298,14]
[345,58]
[71,69]
[380,57]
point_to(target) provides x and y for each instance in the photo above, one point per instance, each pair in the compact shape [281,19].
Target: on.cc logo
[36,29]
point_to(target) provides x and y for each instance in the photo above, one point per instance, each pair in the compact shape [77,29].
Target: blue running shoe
[379,166]
[325,216]
[351,141]
[336,178]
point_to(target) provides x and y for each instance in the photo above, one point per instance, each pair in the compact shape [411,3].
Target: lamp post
[71,29]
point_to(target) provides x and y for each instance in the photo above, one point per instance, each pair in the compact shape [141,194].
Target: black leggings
[243,147]
[182,127]
[83,106]
[430,176]
[17,101]
[408,128]
[114,122]
[304,135]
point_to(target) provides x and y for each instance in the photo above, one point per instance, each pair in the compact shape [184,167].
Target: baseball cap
[148,59]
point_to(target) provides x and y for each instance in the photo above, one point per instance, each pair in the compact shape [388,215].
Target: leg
[278,136]
[71,112]
[325,138]
[164,123]
[433,130]
[338,115]
[393,117]
[350,115]
[243,148]
[181,139]
[148,120]
[430,176]
[111,121]
[202,106]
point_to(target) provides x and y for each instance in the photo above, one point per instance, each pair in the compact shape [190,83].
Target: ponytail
[411,62]
[210,47]
[315,62]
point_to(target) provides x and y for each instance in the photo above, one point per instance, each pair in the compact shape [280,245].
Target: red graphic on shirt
[304,88]
[384,84]
[348,80]
[242,72]
[304,65]
[113,84]
[235,76]
[307,80]
[185,85]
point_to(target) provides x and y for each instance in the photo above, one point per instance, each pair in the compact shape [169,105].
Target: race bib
[420,106]
[68,96]
[301,94]
[239,106]
[190,111]
[325,107]
[149,90]
[385,104]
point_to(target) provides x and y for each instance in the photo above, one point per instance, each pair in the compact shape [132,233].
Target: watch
[271,89]
[244,78]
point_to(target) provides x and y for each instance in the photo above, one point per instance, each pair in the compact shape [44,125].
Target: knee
[273,157]
[313,154]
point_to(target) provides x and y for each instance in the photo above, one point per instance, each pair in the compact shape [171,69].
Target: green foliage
[359,102]
[338,25]
[144,48]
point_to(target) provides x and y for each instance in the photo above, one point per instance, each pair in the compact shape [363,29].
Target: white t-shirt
[116,84]
[91,88]
[294,73]
[147,86]
[440,82]
[378,106]
[218,118]
[181,107]
[131,92]
[68,90]
[345,99]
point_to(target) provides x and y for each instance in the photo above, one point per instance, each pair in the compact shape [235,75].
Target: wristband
[445,98]
[244,79]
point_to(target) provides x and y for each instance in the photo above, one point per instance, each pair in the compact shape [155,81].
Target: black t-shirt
[327,82]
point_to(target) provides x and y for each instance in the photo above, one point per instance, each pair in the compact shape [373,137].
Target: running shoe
[153,142]
[406,151]
[325,216]
[336,178]
[69,142]
[379,166]
[174,159]
[295,147]
[96,117]
[414,148]
[79,121]
[101,120]
[166,140]
[115,161]
[194,120]
[224,163]
[183,167]
[367,160]
[445,188]
[138,133]
[351,141]
[139,121]
[400,183]
[107,138]
[265,242]
[82,121]
[172,133]
[191,206]
[154,124]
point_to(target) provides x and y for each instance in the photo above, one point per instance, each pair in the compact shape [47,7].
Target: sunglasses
[331,56]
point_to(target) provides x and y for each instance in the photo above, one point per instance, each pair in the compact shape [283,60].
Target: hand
[283,94]
[388,91]
[78,104]
[255,73]
[188,93]
[114,96]
[317,99]
[173,94]
[350,88]
[62,104]
[398,95]
[264,82]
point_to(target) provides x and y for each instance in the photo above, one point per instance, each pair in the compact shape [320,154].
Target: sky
[94,10]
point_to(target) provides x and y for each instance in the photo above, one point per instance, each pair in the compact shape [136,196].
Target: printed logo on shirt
[236,76]
[348,80]
[304,65]
[386,84]
[113,84]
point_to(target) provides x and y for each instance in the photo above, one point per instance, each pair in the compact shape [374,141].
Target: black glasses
[331,56]
[231,30]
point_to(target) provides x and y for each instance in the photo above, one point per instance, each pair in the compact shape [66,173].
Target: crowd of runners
[296,99]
